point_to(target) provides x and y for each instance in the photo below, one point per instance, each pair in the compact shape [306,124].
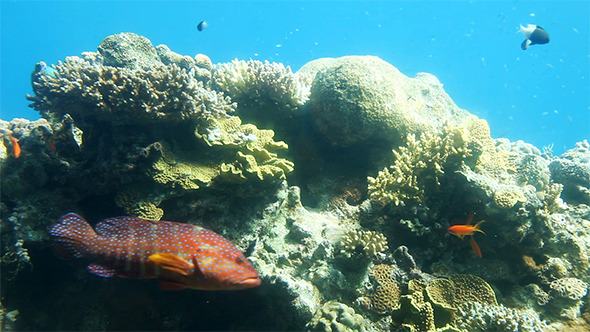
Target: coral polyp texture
[418,166]
[87,90]
[314,174]
[266,84]
[365,242]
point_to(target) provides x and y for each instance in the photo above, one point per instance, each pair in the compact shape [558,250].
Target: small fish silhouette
[180,255]
[202,25]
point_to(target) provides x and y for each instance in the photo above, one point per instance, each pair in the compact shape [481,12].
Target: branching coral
[367,242]
[418,167]
[261,83]
[88,91]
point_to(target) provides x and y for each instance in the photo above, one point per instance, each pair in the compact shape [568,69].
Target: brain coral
[387,293]
[458,289]
[356,99]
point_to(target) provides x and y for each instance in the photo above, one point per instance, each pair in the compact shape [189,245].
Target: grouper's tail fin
[71,236]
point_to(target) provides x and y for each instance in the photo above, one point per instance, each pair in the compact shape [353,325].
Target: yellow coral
[418,166]
[387,292]
[257,155]
[506,199]
[370,242]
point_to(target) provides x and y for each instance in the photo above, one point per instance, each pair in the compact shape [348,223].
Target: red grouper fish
[180,255]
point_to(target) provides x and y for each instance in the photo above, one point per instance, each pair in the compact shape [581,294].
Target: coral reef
[386,296]
[140,130]
[573,171]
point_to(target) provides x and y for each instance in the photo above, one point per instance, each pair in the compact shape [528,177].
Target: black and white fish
[534,34]
[202,25]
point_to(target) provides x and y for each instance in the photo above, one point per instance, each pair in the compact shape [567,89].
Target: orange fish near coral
[15,147]
[467,229]
[180,255]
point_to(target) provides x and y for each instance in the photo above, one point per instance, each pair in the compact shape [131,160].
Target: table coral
[89,91]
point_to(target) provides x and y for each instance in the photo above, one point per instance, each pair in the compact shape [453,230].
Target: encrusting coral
[387,293]
[571,288]
[334,316]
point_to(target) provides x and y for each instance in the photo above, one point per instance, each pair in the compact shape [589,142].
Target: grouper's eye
[239,260]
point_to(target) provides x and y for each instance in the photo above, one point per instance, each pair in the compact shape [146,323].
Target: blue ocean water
[540,95]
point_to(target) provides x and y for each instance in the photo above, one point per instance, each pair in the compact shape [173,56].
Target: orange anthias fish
[15,147]
[180,255]
[467,229]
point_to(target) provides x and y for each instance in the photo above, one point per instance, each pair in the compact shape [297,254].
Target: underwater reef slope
[339,182]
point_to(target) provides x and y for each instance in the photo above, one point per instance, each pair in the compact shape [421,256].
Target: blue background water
[540,95]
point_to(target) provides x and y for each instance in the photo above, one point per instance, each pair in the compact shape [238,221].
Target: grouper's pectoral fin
[172,262]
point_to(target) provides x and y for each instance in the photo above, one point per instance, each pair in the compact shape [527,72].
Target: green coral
[418,167]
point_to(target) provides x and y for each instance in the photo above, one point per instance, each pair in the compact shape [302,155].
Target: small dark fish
[534,34]
[202,25]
